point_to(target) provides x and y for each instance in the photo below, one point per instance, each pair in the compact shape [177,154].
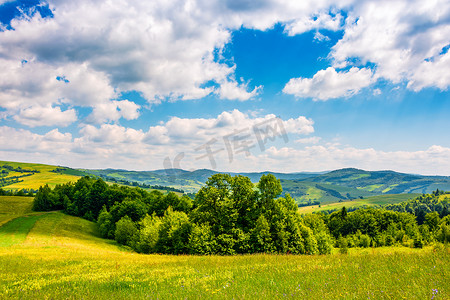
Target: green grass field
[13,207]
[62,257]
[370,201]
[15,231]
[45,176]
[304,191]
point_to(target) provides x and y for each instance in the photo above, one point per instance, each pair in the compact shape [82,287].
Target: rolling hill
[358,203]
[307,189]
[384,182]
[189,181]
[30,176]
[305,192]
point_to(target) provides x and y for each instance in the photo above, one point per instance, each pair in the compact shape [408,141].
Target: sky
[234,85]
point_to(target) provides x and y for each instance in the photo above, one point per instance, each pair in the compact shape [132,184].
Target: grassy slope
[302,191]
[63,257]
[384,181]
[38,179]
[370,201]
[15,231]
[13,207]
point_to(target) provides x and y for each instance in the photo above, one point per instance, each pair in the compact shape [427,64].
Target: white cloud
[317,21]
[132,150]
[45,116]
[195,132]
[32,91]
[114,110]
[158,48]
[328,84]
[309,140]
[431,73]
[112,145]
[165,50]
[234,91]
[320,37]
[399,37]
[319,158]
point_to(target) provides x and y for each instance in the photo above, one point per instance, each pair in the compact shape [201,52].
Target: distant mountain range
[307,188]
[357,182]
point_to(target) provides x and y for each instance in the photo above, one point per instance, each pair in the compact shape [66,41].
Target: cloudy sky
[235,85]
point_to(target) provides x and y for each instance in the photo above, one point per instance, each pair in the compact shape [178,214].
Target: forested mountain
[384,182]
[324,187]
[306,188]
[189,181]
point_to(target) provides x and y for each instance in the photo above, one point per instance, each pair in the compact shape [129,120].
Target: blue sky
[130,85]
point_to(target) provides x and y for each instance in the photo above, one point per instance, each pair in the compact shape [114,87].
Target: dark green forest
[231,215]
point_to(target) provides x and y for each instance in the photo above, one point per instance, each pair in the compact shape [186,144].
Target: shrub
[126,232]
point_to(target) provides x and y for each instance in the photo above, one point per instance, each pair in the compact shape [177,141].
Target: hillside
[30,176]
[305,192]
[369,182]
[189,181]
[358,203]
[326,188]
[383,182]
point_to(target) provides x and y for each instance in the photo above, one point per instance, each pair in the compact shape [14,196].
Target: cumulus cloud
[320,37]
[322,20]
[328,84]
[133,150]
[329,157]
[199,131]
[166,50]
[45,116]
[233,90]
[113,145]
[114,110]
[404,39]
[32,91]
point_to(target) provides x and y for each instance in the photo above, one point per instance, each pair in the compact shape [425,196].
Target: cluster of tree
[165,188]
[228,215]
[4,181]
[438,201]
[88,196]
[22,192]
[376,227]
[141,185]
[309,203]
[231,215]
[18,169]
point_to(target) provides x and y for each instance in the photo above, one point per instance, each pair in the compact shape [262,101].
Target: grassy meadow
[369,201]
[12,207]
[60,256]
[36,180]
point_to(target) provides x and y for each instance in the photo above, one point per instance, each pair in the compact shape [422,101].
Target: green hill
[189,181]
[16,176]
[384,182]
[368,182]
[358,203]
[305,192]
[306,188]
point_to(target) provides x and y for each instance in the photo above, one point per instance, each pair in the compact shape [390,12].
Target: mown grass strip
[15,231]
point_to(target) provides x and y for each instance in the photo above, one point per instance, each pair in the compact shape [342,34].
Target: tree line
[20,193]
[232,215]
